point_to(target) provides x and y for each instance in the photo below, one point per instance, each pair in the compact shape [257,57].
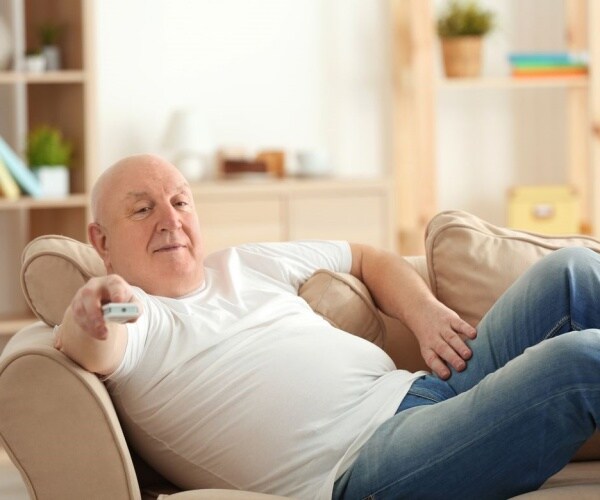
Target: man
[229,372]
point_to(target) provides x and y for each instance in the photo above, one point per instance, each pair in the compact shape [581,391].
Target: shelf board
[63,76]
[509,82]
[26,202]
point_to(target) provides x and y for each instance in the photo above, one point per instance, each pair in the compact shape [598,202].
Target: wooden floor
[11,486]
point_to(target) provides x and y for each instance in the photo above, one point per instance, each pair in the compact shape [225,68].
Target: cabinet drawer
[356,218]
[228,222]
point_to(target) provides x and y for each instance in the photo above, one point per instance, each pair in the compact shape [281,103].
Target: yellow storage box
[544,209]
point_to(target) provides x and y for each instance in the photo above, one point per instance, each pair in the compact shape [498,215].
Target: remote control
[120,312]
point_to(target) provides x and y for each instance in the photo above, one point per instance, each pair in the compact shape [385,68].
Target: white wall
[267,73]
[298,74]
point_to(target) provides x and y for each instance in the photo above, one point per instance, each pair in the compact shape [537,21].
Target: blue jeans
[529,398]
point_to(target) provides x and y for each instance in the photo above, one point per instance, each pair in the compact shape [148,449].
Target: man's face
[151,231]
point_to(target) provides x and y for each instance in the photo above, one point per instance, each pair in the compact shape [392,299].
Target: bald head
[130,166]
[145,226]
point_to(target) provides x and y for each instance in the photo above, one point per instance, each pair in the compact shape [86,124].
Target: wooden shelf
[26,202]
[48,77]
[509,82]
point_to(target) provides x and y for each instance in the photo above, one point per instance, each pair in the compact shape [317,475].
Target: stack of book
[548,64]
[15,177]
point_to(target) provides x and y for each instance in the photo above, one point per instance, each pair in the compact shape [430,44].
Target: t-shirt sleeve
[294,262]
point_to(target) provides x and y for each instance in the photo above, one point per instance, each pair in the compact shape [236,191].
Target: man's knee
[572,256]
[573,350]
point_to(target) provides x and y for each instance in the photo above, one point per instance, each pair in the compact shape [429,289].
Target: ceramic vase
[52,55]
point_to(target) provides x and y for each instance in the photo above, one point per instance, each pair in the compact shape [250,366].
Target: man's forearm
[96,355]
[400,292]
[396,287]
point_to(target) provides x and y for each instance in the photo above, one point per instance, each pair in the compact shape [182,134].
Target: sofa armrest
[58,424]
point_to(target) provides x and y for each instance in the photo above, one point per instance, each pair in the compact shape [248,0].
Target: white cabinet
[233,212]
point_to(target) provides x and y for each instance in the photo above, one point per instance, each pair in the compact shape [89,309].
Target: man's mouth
[169,248]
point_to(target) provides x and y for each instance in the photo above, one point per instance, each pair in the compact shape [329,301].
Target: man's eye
[182,204]
[142,210]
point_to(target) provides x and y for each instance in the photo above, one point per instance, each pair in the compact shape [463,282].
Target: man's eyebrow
[136,195]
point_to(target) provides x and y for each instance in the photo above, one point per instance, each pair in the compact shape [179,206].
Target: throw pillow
[472,262]
[345,302]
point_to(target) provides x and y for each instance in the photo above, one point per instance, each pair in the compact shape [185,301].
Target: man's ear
[98,240]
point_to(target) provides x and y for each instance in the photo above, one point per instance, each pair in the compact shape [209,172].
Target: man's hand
[84,335]
[441,334]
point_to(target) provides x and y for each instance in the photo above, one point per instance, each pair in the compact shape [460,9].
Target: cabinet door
[360,218]
[228,222]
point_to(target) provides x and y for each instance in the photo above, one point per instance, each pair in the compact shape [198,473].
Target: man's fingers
[87,304]
[117,289]
[463,327]
[458,345]
[439,367]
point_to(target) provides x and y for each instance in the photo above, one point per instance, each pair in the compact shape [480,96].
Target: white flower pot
[35,63]
[54,181]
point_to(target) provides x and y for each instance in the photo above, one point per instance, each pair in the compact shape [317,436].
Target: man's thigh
[505,436]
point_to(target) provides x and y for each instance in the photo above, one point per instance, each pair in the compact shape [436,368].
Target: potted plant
[49,155]
[35,62]
[461,28]
[49,35]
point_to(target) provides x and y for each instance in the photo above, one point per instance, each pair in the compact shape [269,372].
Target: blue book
[24,177]
[548,58]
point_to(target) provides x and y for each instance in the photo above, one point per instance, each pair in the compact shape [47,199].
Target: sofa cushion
[345,302]
[471,262]
[55,267]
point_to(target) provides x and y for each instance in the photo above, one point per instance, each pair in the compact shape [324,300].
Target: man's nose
[169,219]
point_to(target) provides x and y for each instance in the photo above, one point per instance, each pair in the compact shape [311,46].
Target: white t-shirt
[243,381]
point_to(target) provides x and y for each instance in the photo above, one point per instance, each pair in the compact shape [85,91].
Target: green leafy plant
[49,33]
[465,18]
[47,147]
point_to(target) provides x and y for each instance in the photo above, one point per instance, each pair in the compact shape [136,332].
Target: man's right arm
[84,335]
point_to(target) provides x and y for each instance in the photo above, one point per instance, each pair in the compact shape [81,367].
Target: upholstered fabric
[472,262]
[345,302]
[53,269]
[58,425]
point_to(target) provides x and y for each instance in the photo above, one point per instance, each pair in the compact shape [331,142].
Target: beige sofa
[60,428]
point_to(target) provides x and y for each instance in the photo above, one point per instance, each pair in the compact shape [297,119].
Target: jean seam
[557,326]
[480,434]
[423,396]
